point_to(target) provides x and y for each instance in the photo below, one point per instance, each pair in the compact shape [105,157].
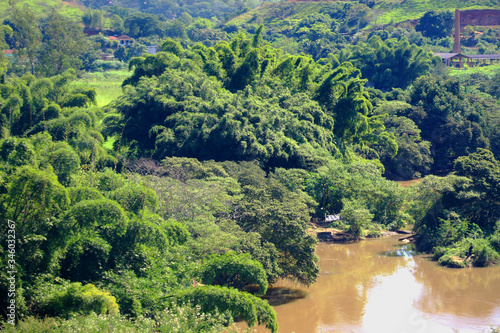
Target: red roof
[8,51]
[113,38]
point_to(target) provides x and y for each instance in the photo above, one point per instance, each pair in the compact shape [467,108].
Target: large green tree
[483,204]
[361,182]
[63,43]
[391,63]
[143,25]
[27,34]
[413,158]
[435,24]
[4,31]
[34,200]
[344,98]
[446,118]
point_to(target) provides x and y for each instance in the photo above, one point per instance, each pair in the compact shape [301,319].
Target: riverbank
[332,235]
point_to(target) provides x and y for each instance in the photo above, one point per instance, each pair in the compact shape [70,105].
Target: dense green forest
[176,205]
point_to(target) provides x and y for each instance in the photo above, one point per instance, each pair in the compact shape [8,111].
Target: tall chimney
[457,48]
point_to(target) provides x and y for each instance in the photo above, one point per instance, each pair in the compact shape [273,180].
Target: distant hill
[382,12]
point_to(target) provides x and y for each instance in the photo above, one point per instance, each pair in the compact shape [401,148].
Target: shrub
[106,65]
[77,194]
[374,230]
[104,216]
[357,215]
[234,270]
[213,299]
[73,298]
[85,258]
[438,252]
[451,261]
[495,242]
[179,319]
[135,198]
[495,238]
[485,255]
[65,162]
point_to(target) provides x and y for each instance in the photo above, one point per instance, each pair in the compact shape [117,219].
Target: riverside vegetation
[174,206]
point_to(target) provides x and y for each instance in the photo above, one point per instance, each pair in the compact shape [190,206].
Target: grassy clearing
[108,87]
[489,71]
[107,84]
[43,7]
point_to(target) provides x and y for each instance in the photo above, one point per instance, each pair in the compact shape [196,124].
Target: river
[380,286]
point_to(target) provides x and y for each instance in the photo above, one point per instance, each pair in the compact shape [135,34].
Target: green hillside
[67,8]
[275,12]
[398,11]
[383,12]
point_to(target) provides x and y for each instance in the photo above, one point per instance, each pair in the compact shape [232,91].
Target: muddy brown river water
[380,286]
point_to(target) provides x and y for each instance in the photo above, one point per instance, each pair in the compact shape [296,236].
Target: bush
[104,216]
[452,256]
[86,258]
[73,298]
[134,198]
[451,261]
[438,252]
[65,162]
[213,299]
[104,65]
[374,230]
[339,224]
[357,215]
[456,254]
[234,270]
[485,255]
[495,238]
[77,194]
[495,242]
[179,319]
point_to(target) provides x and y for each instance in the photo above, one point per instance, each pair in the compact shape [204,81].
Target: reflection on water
[282,295]
[405,250]
[378,286]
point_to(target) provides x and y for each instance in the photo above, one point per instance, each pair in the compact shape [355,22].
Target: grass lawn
[107,84]
[108,87]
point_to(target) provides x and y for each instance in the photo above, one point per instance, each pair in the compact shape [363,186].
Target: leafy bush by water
[484,253]
[179,319]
